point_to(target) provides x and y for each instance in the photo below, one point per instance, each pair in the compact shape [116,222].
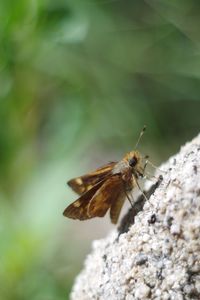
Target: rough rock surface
[158,257]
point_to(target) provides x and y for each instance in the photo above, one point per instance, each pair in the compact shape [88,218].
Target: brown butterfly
[107,187]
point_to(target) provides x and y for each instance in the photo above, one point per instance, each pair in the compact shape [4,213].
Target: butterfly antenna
[141,134]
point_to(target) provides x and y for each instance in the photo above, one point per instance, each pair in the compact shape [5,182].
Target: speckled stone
[159,257]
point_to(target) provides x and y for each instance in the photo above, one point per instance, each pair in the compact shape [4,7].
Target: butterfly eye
[133,161]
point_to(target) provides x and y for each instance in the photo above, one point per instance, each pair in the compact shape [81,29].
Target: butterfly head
[134,161]
[133,158]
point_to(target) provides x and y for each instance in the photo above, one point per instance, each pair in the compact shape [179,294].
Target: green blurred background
[78,80]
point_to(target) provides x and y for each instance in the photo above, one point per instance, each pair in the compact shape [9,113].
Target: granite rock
[156,254]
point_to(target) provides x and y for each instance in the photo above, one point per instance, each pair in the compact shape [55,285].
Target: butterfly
[106,188]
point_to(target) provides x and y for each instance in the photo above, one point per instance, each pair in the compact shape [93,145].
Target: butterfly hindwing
[116,207]
[79,208]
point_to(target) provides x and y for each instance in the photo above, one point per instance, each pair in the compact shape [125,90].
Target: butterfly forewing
[84,183]
[105,196]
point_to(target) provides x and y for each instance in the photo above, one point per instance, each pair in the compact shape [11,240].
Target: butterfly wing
[105,196]
[79,208]
[116,207]
[84,183]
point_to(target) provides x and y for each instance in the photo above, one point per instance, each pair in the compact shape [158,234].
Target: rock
[155,253]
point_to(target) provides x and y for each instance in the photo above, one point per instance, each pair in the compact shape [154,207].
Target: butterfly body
[105,188]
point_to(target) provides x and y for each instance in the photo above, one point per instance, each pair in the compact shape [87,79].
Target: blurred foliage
[78,79]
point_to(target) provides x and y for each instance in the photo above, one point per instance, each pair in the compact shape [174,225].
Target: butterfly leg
[152,165]
[147,174]
[141,190]
[149,177]
[146,163]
